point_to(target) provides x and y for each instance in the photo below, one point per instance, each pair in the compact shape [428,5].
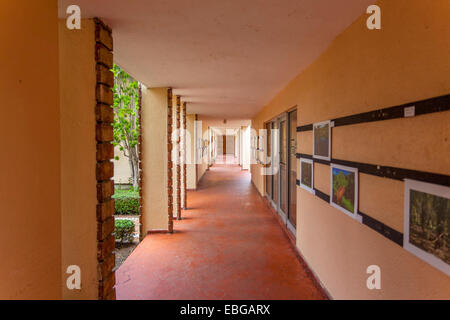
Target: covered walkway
[228,246]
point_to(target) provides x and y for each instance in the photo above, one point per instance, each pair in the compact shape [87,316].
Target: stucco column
[191,178]
[87,208]
[184,168]
[156,160]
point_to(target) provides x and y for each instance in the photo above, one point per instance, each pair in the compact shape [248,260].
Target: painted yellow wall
[154,159]
[78,149]
[363,70]
[30,181]
[191,177]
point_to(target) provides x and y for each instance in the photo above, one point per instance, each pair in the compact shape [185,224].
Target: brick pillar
[104,168]
[178,157]
[169,158]
[184,158]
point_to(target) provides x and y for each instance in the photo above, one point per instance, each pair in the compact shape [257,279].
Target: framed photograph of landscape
[344,190]
[426,231]
[322,140]
[307,175]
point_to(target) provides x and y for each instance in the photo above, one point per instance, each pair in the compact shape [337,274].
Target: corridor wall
[364,70]
[30,182]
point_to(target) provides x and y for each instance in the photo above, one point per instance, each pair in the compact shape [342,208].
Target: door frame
[276,161]
[290,226]
[268,159]
[283,215]
[274,147]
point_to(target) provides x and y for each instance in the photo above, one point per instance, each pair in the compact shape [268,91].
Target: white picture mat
[434,189]
[329,140]
[304,186]
[354,214]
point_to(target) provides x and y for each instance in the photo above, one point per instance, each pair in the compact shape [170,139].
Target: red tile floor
[228,246]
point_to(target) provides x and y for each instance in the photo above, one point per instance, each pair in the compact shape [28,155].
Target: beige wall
[78,149]
[122,174]
[365,70]
[30,181]
[154,159]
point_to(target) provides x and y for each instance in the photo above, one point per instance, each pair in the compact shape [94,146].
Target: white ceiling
[226,58]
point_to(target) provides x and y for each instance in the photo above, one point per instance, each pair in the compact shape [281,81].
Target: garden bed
[127,208]
[122,252]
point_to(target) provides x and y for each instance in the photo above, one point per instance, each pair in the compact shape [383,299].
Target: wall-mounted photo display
[427,223]
[307,175]
[344,190]
[322,140]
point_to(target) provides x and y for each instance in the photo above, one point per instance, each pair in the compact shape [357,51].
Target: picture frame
[322,140]
[426,214]
[306,169]
[344,190]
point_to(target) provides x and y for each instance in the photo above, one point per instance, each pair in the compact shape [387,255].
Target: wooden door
[224,144]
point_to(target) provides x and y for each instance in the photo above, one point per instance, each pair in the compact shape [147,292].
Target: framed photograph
[322,140]
[344,190]
[307,175]
[426,231]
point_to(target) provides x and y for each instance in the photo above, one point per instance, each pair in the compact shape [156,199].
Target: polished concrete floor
[228,246]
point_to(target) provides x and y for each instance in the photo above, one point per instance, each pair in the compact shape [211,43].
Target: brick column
[184,158]
[169,158]
[178,157]
[104,168]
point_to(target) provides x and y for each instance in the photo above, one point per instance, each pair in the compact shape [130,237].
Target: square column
[156,160]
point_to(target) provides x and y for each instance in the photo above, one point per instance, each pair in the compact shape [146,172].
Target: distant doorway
[224,145]
[229,145]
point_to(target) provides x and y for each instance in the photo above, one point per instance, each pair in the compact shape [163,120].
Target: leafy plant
[124,230]
[126,119]
[127,202]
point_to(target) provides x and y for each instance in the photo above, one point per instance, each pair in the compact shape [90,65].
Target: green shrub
[124,230]
[127,202]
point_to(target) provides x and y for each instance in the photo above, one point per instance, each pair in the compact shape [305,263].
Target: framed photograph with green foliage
[426,231]
[307,175]
[322,140]
[344,190]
